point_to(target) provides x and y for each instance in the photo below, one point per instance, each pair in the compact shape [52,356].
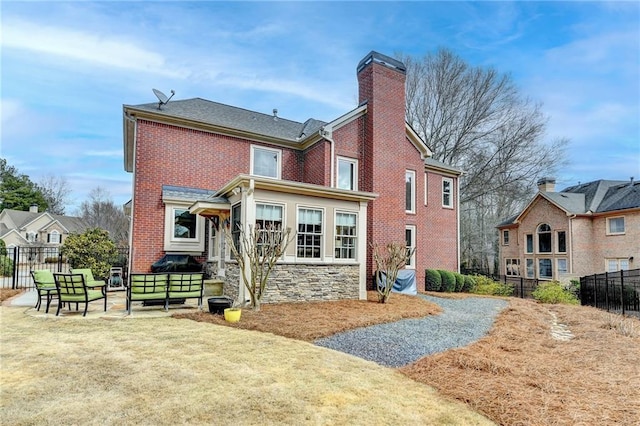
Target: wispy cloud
[99,49]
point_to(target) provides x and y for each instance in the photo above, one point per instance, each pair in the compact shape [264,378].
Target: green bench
[164,287]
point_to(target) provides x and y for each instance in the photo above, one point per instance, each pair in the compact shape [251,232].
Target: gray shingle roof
[603,195]
[71,223]
[218,114]
[185,193]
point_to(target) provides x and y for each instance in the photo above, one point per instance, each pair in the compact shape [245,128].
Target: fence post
[595,290]
[521,288]
[622,289]
[16,258]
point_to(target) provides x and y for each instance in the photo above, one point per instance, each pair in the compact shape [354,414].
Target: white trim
[335,236]
[277,152]
[323,234]
[172,244]
[426,192]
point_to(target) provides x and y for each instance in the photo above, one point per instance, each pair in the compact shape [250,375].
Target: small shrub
[554,292]
[487,286]
[448,281]
[6,266]
[434,280]
[459,281]
[92,249]
[469,284]
[574,287]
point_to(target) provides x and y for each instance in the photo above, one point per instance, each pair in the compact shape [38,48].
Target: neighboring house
[589,228]
[364,178]
[38,229]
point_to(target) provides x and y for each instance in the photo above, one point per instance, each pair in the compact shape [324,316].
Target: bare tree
[56,192]
[389,260]
[475,119]
[258,250]
[100,211]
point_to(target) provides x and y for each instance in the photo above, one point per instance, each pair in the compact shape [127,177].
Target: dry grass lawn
[167,371]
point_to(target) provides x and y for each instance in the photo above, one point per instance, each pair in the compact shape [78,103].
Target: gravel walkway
[400,343]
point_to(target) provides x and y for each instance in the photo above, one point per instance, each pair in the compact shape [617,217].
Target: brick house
[585,229]
[364,178]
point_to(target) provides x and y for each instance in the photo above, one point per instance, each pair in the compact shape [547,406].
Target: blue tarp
[405,283]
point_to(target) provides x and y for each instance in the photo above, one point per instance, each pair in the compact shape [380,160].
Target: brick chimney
[546,184]
[381,84]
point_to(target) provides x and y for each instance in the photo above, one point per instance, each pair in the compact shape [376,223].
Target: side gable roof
[22,219]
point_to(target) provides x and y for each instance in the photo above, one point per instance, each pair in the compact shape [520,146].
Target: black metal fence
[617,292]
[522,287]
[23,260]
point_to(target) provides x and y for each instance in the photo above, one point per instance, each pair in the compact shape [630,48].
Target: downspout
[571,217]
[327,133]
[458,220]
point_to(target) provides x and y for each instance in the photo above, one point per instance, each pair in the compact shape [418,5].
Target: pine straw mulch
[520,375]
[312,320]
[7,293]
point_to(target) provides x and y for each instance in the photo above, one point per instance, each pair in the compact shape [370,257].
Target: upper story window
[53,237]
[410,191]
[615,225]
[544,238]
[32,237]
[346,236]
[447,192]
[529,239]
[309,244]
[347,174]
[561,238]
[505,237]
[266,162]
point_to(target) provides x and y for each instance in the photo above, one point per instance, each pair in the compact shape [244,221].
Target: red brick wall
[317,164]
[169,155]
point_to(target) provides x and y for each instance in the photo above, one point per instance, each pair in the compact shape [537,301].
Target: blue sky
[68,67]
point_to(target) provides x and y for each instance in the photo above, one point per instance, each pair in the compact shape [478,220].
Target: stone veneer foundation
[302,282]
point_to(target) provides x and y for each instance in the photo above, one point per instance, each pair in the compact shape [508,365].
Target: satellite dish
[162,97]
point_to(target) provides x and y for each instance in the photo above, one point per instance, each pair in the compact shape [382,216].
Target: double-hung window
[505,237]
[309,239]
[346,236]
[347,174]
[512,267]
[615,225]
[266,162]
[54,237]
[447,192]
[410,191]
[268,222]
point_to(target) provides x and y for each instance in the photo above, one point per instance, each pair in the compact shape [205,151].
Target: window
[561,237]
[544,238]
[447,192]
[615,225]
[512,267]
[309,233]
[345,247]
[268,218]
[347,174]
[505,237]
[529,238]
[54,237]
[265,162]
[561,266]
[32,237]
[410,191]
[544,269]
[531,273]
[184,224]
[236,226]
[614,265]
[410,236]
